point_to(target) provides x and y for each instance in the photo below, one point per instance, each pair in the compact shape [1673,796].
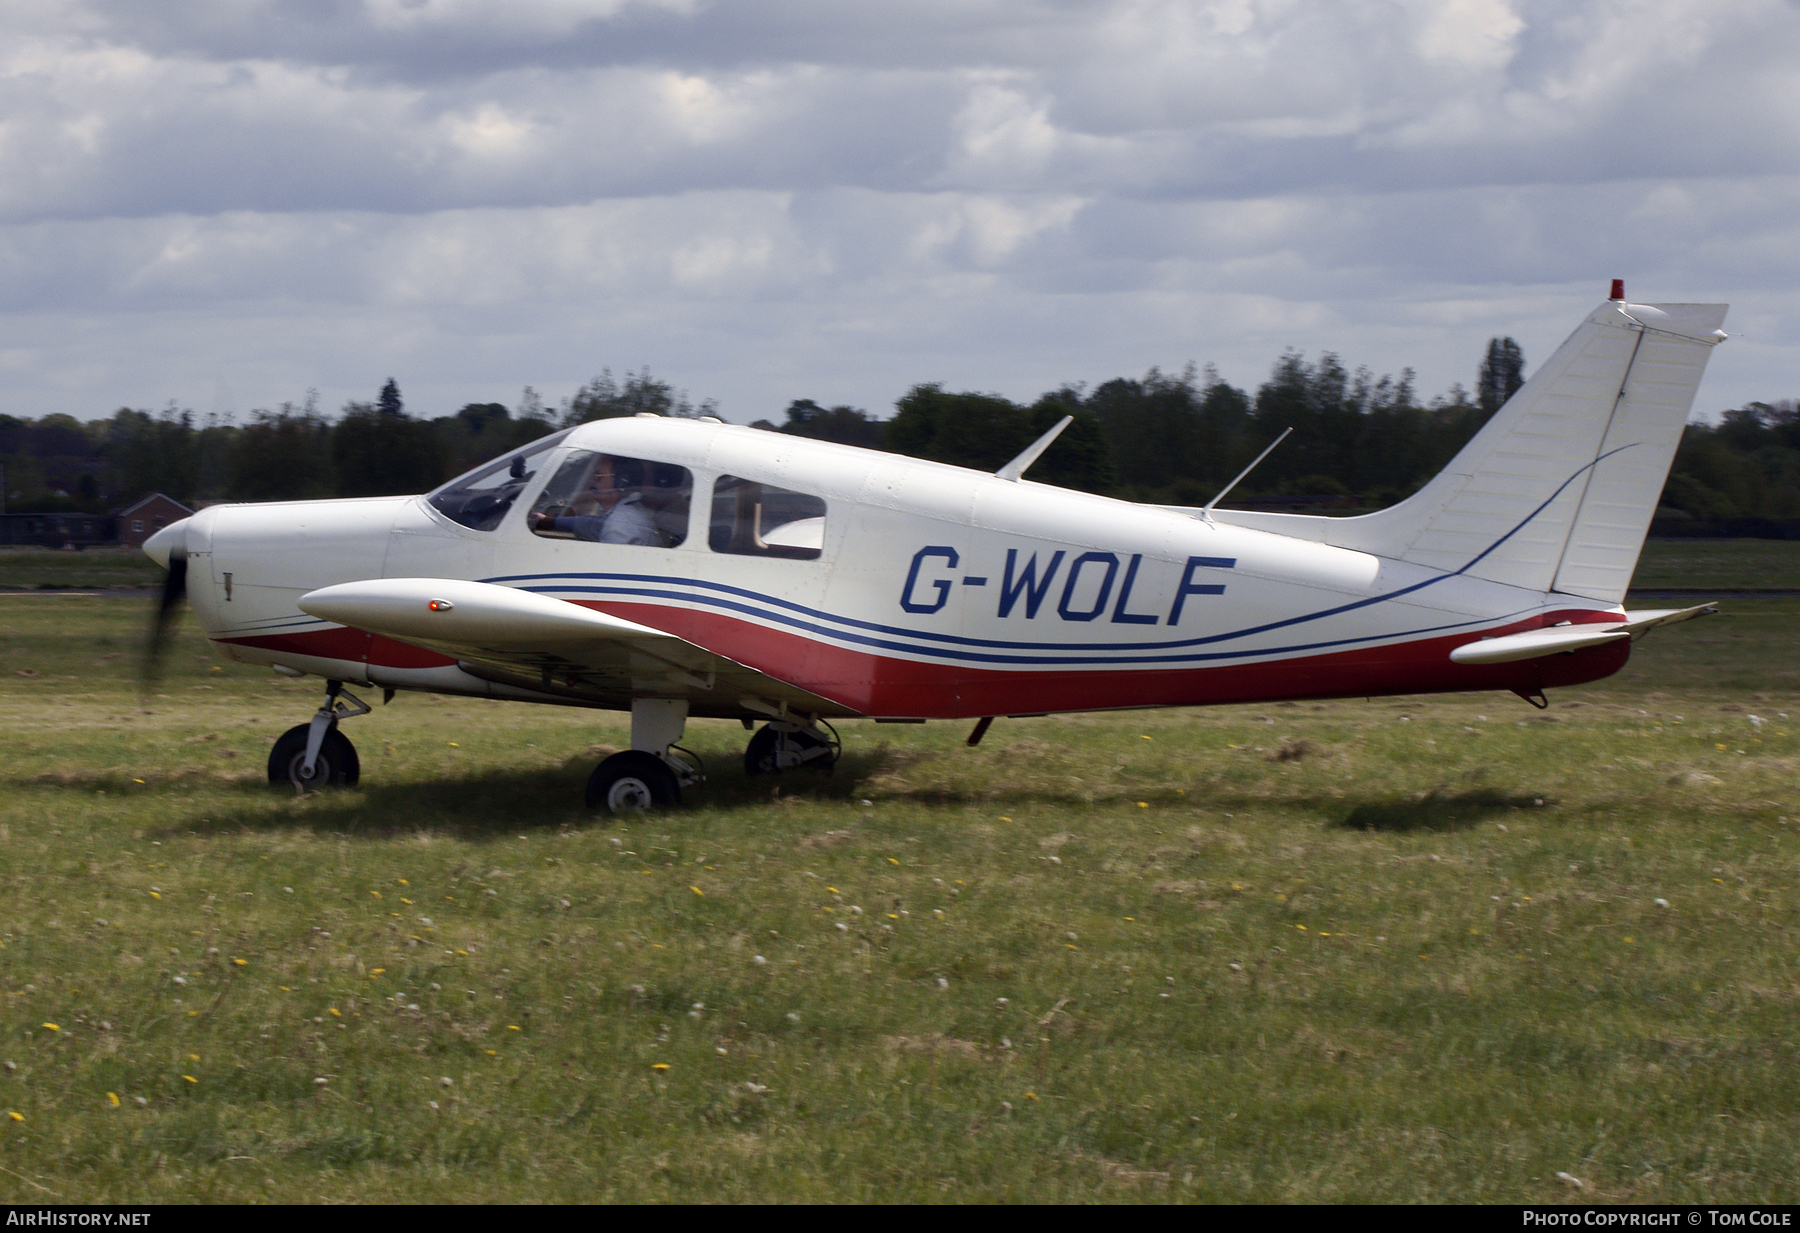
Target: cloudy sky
[226,203]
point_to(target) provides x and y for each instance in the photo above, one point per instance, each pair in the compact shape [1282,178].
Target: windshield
[481,498]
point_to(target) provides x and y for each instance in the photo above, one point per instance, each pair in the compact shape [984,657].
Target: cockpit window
[480,499]
[753,519]
[612,499]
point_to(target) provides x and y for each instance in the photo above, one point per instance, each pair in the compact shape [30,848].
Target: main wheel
[631,782]
[336,766]
[765,755]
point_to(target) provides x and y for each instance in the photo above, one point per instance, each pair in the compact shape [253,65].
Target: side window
[752,519]
[612,499]
[480,499]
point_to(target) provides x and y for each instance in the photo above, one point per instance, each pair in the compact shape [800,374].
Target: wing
[557,648]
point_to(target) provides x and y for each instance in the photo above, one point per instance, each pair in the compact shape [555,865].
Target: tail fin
[1556,491]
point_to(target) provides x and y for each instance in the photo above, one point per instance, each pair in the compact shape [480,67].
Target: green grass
[1405,950]
[1722,564]
[34,569]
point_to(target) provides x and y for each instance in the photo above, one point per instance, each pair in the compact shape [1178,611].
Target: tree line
[1359,441]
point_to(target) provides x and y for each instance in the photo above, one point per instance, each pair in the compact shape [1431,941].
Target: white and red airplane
[680,567]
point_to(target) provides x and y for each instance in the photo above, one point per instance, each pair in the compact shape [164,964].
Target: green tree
[979,431]
[375,452]
[283,454]
[845,425]
[1501,374]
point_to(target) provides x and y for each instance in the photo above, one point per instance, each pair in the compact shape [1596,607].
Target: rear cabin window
[480,499]
[761,520]
[613,499]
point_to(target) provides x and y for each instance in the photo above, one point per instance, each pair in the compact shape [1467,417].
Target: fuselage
[922,590]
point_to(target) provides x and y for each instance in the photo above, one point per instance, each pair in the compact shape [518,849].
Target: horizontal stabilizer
[445,610]
[1561,639]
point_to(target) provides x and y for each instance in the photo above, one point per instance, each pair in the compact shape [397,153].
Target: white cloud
[807,195]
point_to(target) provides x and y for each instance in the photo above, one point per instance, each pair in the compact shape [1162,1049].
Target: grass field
[1413,950]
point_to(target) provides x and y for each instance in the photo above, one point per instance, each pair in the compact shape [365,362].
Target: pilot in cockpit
[609,510]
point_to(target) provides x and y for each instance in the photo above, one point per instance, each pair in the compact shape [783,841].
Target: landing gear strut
[783,745]
[316,755]
[646,776]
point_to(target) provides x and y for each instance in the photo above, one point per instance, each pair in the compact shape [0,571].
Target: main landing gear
[646,776]
[650,776]
[316,755]
[785,744]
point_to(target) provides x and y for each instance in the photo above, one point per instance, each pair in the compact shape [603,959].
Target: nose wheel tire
[631,782]
[336,766]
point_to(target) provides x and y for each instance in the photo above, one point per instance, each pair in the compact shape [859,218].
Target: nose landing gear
[316,755]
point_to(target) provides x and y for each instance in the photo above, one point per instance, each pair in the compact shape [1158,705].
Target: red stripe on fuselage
[883,685]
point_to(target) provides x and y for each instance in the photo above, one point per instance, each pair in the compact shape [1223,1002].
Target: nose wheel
[336,765]
[316,755]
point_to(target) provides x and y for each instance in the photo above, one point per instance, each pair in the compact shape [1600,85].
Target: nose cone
[158,546]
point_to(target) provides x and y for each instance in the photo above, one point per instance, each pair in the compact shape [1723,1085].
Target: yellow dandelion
[1143,804]
[834,890]
[377,894]
[154,895]
[1004,818]
[1143,738]
[1030,1095]
[112,1098]
[53,1027]
[454,745]
[493,1053]
[463,953]
[376,971]
[513,1027]
[403,881]
[1631,939]
[332,1010]
[698,891]
[284,988]
[193,1057]
[17,1117]
[242,963]
[1132,919]
[892,861]
[190,1078]
[405,900]
[660,1066]
[137,781]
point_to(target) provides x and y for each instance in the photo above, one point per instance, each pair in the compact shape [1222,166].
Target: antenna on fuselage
[1206,510]
[1016,468]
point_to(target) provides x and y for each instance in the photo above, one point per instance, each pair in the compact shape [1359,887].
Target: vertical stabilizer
[1557,489]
